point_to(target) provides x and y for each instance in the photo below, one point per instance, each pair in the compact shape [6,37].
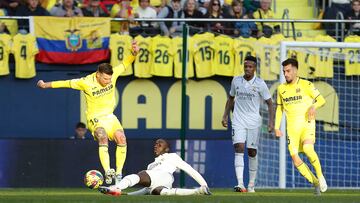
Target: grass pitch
[83,195]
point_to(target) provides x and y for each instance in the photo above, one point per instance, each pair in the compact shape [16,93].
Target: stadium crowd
[238,9]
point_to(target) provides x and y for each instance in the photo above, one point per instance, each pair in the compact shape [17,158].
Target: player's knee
[296,159]
[252,152]
[120,137]
[145,179]
[101,135]
[308,148]
[239,147]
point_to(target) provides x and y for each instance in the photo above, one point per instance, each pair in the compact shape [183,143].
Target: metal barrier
[340,15]
[285,16]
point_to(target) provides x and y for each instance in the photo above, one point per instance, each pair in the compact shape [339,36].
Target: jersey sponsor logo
[103,90]
[293,98]
[245,95]
[297,90]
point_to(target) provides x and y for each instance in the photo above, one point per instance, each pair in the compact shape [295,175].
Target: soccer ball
[93,179]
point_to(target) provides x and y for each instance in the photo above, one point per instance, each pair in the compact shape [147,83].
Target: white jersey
[169,162]
[248,95]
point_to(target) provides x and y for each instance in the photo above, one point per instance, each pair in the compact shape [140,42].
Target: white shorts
[250,136]
[160,178]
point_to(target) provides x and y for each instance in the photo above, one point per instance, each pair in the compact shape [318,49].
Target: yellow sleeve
[314,93]
[125,64]
[279,110]
[77,84]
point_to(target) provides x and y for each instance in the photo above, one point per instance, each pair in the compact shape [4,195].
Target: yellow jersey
[324,58]
[142,65]
[243,47]
[5,49]
[204,54]
[24,49]
[176,50]
[265,50]
[295,99]
[100,101]
[352,60]
[224,56]
[306,59]
[162,61]
[275,54]
[120,47]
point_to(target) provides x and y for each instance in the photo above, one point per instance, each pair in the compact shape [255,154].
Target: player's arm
[271,115]
[318,100]
[182,165]
[279,112]
[77,84]
[265,93]
[129,60]
[229,106]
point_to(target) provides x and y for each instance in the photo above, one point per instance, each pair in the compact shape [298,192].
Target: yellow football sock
[120,157]
[305,171]
[314,159]
[104,156]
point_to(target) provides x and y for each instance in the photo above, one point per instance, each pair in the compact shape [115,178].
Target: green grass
[84,195]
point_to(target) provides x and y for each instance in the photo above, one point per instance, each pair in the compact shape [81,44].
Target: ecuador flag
[72,40]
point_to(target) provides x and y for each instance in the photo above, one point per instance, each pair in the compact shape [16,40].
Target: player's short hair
[291,61]
[105,68]
[80,125]
[251,58]
[354,1]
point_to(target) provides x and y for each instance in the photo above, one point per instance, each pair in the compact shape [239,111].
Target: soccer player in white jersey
[246,93]
[158,178]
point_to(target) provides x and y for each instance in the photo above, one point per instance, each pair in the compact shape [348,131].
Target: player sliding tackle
[300,99]
[158,178]
[99,89]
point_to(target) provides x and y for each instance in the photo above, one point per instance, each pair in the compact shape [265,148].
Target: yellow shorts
[109,122]
[297,134]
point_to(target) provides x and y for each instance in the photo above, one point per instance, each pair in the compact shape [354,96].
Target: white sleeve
[265,92]
[189,170]
[232,89]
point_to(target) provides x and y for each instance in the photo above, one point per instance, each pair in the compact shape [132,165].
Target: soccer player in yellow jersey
[99,89]
[300,99]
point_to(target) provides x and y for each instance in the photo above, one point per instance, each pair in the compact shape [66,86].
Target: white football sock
[179,191]
[239,168]
[128,181]
[253,166]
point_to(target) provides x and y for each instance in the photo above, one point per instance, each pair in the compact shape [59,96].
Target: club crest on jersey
[73,39]
[297,90]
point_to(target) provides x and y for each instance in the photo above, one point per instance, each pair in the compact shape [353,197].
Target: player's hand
[311,113]
[278,133]
[135,48]
[224,121]
[41,84]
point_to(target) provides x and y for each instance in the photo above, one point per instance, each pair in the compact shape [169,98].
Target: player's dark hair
[80,125]
[251,58]
[105,68]
[291,61]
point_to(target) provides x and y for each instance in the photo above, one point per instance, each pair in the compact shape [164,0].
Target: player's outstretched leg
[126,182]
[203,190]
[315,162]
